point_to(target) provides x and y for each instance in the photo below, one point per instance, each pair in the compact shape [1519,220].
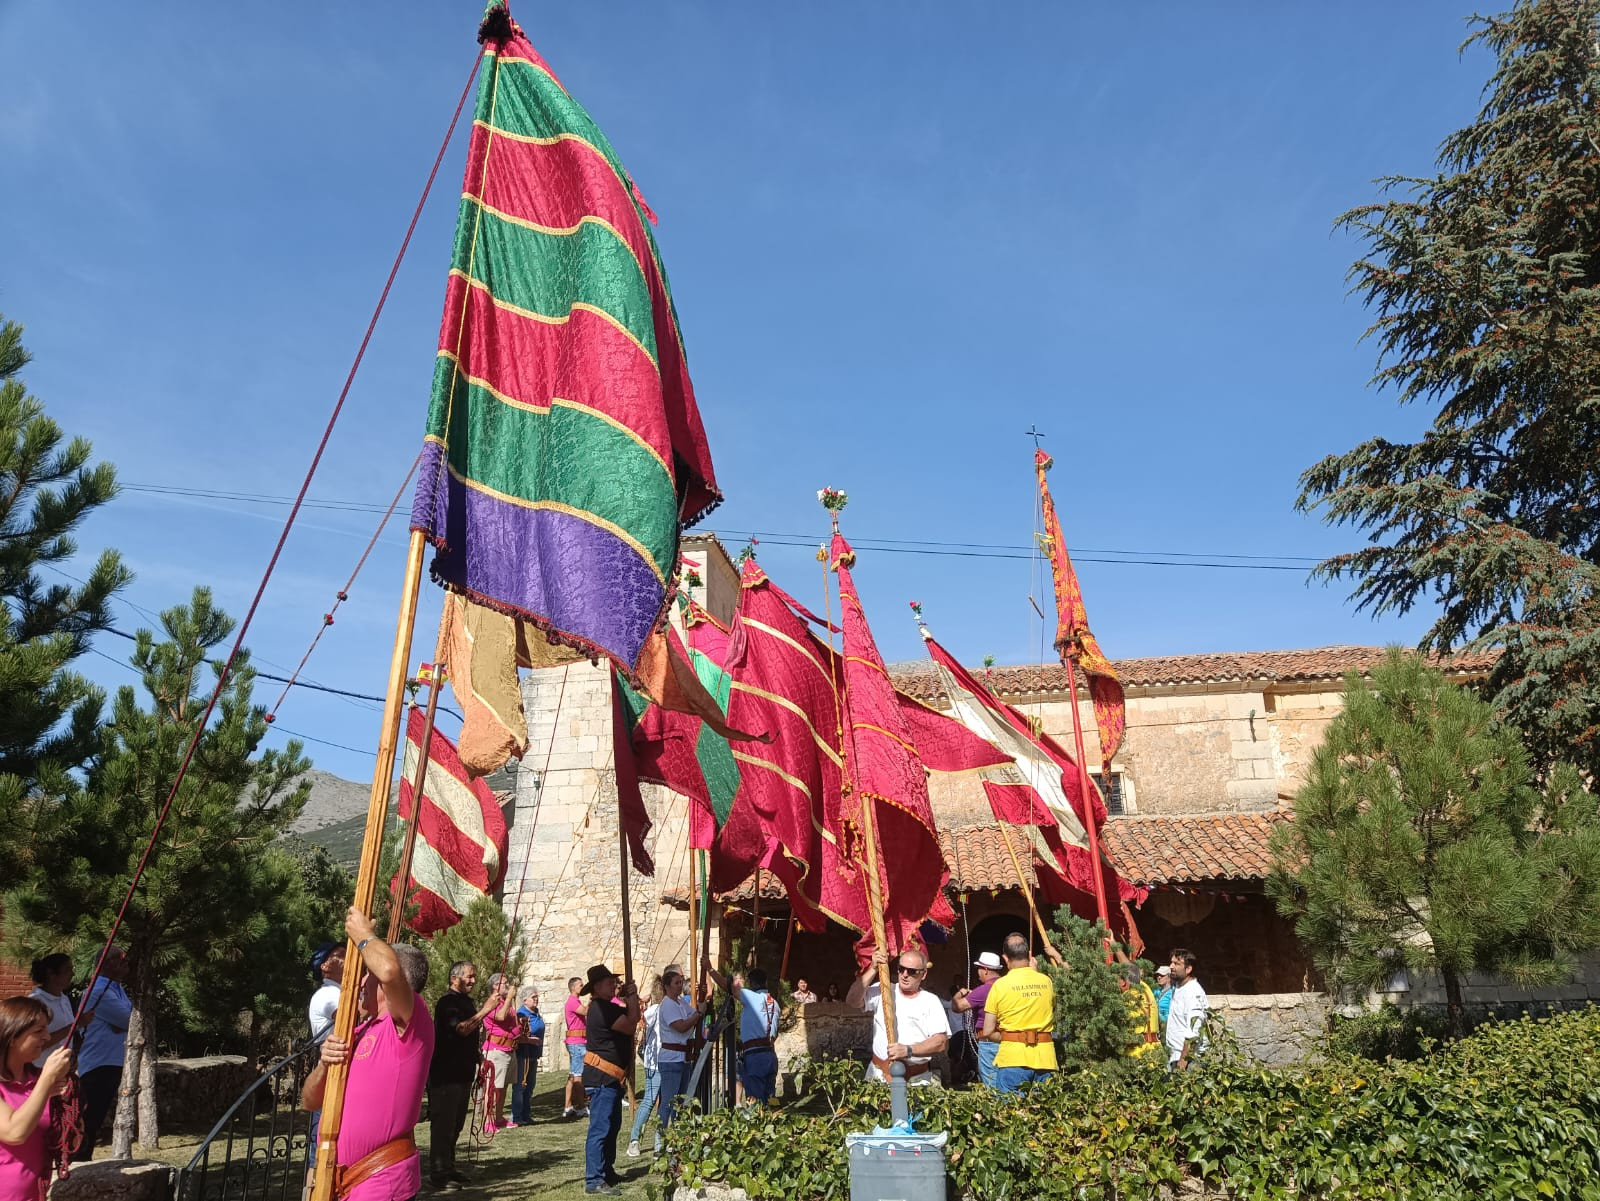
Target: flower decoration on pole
[833,499]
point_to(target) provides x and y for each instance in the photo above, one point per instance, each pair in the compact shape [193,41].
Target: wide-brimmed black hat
[597,973]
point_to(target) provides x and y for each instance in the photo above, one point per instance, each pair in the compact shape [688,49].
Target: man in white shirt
[677,1021]
[1187,1017]
[921,1029]
[327,968]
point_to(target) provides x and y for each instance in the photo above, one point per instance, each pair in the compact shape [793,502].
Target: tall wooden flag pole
[1027,893]
[344,1021]
[1081,652]
[834,500]
[402,879]
[880,938]
[1070,655]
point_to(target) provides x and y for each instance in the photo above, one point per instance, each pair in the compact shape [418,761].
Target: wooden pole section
[880,939]
[1069,656]
[344,1021]
[753,956]
[402,879]
[1027,893]
[627,911]
[788,941]
[692,972]
[705,915]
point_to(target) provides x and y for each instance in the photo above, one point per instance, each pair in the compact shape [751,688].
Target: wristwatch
[361,946]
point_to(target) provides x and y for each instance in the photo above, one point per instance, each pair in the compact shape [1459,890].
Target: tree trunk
[149,1127]
[133,1051]
[1454,1008]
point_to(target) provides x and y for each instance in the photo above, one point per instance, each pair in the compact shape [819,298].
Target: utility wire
[977,550]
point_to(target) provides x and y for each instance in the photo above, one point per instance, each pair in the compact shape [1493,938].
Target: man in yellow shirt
[1019,1014]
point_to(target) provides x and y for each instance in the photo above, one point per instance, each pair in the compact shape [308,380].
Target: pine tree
[1485,279]
[222,905]
[49,715]
[1092,1023]
[486,938]
[1423,839]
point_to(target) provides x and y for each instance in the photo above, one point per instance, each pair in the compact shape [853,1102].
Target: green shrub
[1509,1112]
[1387,1033]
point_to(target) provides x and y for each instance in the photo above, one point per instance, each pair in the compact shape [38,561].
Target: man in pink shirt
[377,1151]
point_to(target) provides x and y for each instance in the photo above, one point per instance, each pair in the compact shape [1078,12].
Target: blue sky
[898,235]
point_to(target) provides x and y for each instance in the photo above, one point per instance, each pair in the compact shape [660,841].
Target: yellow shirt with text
[1024,999]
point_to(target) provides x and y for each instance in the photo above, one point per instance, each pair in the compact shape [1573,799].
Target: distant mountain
[333,799]
[335,816]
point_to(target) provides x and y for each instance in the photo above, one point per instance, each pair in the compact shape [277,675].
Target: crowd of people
[999,1031]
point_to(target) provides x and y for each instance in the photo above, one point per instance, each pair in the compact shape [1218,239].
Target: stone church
[1216,748]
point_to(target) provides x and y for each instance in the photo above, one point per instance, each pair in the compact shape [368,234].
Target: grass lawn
[543,1161]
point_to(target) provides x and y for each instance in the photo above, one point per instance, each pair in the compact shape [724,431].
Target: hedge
[1509,1112]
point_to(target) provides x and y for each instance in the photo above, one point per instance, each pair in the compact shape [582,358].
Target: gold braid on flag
[1073,636]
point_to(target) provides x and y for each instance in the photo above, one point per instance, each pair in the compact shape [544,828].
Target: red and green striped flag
[564,451]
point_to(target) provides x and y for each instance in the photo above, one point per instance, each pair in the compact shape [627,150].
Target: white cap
[1163,970]
[989,960]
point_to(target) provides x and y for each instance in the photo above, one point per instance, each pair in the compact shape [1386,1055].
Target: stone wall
[196,1092]
[1217,748]
[564,832]
[1274,1028]
[1485,993]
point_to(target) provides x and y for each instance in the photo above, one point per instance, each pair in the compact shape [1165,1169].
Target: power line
[974,550]
[1023,553]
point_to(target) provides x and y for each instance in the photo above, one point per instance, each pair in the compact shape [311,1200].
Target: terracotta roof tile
[976,855]
[1317,663]
[1221,846]
[1148,850]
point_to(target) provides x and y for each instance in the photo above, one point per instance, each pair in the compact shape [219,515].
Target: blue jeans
[575,1053]
[674,1077]
[652,1086]
[525,1073]
[986,1053]
[600,1148]
[1018,1080]
[758,1072]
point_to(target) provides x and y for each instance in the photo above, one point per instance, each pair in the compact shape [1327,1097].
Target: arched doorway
[991,932]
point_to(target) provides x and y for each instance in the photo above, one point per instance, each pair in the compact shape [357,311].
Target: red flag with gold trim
[1072,626]
[883,769]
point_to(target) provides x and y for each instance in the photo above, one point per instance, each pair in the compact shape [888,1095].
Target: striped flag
[563,447]
[461,835]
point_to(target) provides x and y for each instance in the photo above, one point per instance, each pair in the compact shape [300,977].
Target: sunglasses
[911,971]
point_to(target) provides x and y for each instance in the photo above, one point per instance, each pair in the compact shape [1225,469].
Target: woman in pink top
[576,1021]
[27,1131]
[499,1046]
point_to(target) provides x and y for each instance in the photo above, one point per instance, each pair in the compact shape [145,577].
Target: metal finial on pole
[1035,433]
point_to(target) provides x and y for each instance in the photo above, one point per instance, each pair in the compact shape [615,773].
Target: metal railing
[715,1076]
[260,1148]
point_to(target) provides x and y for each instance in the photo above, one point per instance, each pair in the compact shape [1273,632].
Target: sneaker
[443,1184]
[489,1127]
[604,1190]
[568,1112]
[581,1113]
[633,1149]
[512,1125]
[457,1178]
